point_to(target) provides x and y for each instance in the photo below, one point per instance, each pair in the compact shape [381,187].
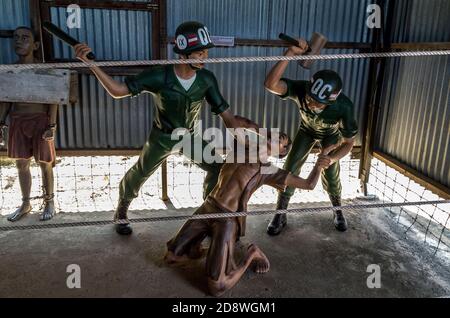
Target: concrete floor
[310,259]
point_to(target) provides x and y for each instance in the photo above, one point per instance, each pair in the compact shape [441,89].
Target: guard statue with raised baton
[327,117]
[179,92]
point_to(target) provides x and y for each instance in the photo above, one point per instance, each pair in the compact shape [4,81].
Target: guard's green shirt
[334,118]
[176,107]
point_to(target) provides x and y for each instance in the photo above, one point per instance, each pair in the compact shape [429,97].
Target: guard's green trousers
[157,148]
[301,148]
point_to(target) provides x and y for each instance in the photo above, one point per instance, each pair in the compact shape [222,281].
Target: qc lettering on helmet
[204,36]
[319,89]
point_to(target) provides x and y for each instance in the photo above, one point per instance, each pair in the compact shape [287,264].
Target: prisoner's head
[279,145]
[25,41]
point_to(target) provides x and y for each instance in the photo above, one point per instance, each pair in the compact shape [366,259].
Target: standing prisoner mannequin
[31,134]
[178,91]
[327,117]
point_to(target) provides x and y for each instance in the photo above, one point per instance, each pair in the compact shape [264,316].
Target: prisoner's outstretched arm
[115,88]
[344,149]
[228,119]
[246,123]
[305,184]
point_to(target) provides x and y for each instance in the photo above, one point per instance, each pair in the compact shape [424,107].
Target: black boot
[122,225]
[279,221]
[340,223]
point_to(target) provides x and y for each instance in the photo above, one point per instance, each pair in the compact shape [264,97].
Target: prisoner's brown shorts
[25,137]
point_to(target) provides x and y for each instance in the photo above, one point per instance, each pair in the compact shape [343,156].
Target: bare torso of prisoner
[29,108]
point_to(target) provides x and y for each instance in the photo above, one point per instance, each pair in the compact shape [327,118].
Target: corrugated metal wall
[243,86]
[340,20]
[414,124]
[98,121]
[112,34]
[414,121]
[422,21]
[13,13]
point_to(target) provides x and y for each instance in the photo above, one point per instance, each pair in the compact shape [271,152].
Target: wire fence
[429,222]
[91,184]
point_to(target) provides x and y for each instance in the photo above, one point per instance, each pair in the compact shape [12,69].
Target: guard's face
[203,54]
[313,105]
[24,43]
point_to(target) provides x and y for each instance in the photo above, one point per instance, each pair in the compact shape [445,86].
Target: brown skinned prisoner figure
[31,134]
[237,182]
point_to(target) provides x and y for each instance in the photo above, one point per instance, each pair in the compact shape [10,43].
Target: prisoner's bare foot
[260,263]
[173,260]
[48,212]
[20,212]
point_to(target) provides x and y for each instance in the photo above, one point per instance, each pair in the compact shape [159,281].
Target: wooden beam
[132,152]
[156,35]
[341,45]
[367,127]
[382,40]
[112,5]
[423,180]
[421,46]
[164,183]
[279,43]
[163,28]
[6,33]
[90,152]
[47,40]
[162,47]
[36,26]
[116,71]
